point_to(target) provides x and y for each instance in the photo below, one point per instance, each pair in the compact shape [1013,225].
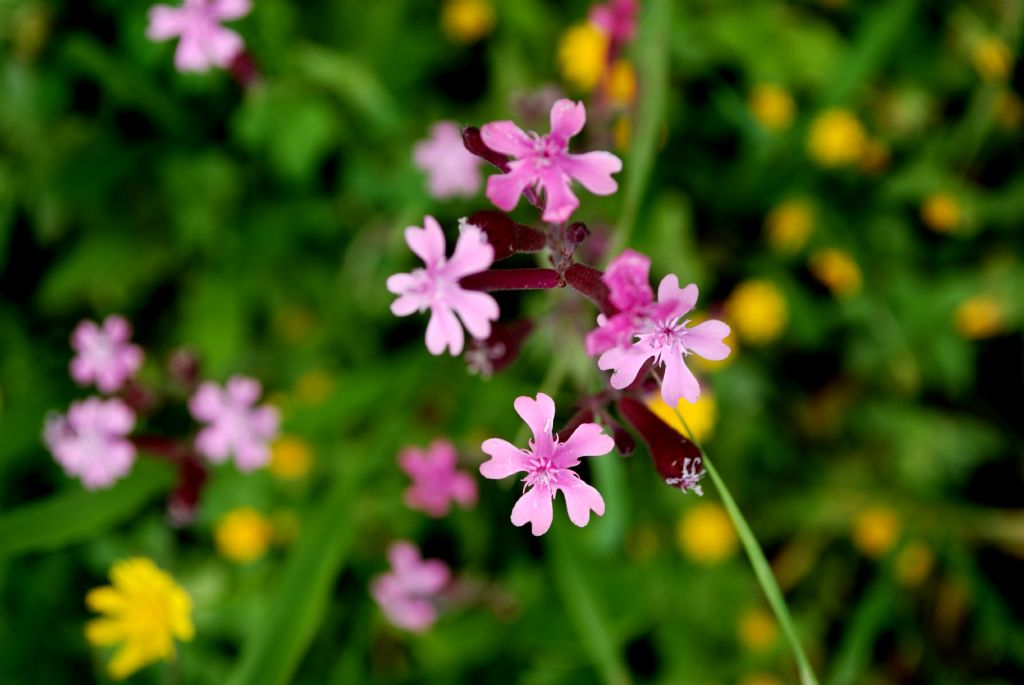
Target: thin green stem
[762,570]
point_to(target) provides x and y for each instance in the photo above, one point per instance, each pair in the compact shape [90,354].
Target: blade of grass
[869,618]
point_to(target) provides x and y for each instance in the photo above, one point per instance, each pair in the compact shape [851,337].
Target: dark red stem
[513,279]
[586,280]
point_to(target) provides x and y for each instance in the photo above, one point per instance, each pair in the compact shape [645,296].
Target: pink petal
[222,46]
[165,22]
[207,403]
[507,138]
[264,422]
[505,460]
[567,118]
[463,489]
[80,370]
[243,391]
[679,382]
[400,284]
[539,415]
[477,310]
[427,242]
[250,455]
[117,328]
[594,170]
[84,335]
[190,55]
[626,362]
[227,10]
[442,456]
[214,443]
[684,298]
[403,556]
[706,340]
[580,500]
[588,440]
[559,200]
[504,190]
[534,507]
[628,280]
[472,255]
[412,462]
[115,418]
[428,577]
[443,330]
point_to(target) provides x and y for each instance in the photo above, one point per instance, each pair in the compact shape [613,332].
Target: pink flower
[90,441]
[436,286]
[204,42]
[235,425]
[104,355]
[435,480]
[408,595]
[548,466]
[663,338]
[617,18]
[545,162]
[451,169]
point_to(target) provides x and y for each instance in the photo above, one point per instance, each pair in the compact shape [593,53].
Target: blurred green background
[843,180]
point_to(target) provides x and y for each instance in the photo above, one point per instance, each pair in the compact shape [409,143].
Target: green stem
[762,570]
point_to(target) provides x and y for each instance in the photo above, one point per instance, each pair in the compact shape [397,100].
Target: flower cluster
[410,593]
[202,41]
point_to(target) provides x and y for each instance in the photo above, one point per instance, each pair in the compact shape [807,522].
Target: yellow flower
[581,55]
[1009,110]
[467,21]
[992,58]
[772,106]
[700,416]
[979,317]
[760,679]
[837,270]
[914,563]
[757,629]
[621,85]
[875,531]
[758,311]
[941,212]
[706,534]
[290,458]
[789,225]
[243,535]
[622,132]
[837,138]
[144,610]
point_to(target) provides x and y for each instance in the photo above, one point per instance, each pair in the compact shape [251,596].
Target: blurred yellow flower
[290,458]
[467,21]
[979,317]
[581,55]
[706,534]
[243,535]
[144,610]
[314,387]
[992,58]
[837,270]
[788,225]
[914,563]
[757,629]
[1009,110]
[837,138]
[757,310]
[622,83]
[622,133]
[760,679]
[772,106]
[875,156]
[875,530]
[941,212]
[700,416]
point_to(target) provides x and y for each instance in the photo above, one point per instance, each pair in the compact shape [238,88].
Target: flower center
[546,149]
[541,473]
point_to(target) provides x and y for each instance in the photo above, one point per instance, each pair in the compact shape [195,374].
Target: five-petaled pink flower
[616,18]
[236,426]
[451,169]
[545,162]
[436,286]
[203,41]
[548,465]
[409,594]
[436,483]
[90,442]
[104,355]
[667,341]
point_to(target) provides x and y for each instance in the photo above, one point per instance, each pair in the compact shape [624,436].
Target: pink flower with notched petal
[409,594]
[203,41]
[616,18]
[548,465]
[436,483]
[545,162]
[436,286]
[451,169]
[104,355]
[667,341]
[90,442]
[236,427]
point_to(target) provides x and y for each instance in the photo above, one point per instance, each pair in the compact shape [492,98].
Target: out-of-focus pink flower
[104,355]
[236,426]
[436,483]
[436,286]
[451,169]
[545,162]
[203,41]
[409,594]
[668,341]
[616,18]
[90,442]
[548,465]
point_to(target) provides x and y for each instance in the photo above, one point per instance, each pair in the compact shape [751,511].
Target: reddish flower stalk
[506,236]
[677,460]
[192,474]
[244,70]
[513,279]
[586,280]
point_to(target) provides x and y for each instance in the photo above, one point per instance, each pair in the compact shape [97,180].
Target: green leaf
[79,516]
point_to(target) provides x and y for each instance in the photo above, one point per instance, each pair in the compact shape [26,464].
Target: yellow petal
[104,632]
